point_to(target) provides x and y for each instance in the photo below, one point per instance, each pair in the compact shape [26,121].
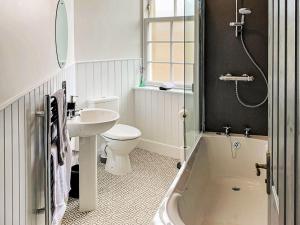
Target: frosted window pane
[183,73]
[189,53]
[178,52]
[189,8]
[178,73]
[163,8]
[188,74]
[159,31]
[178,31]
[189,31]
[180,8]
[160,71]
[159,52]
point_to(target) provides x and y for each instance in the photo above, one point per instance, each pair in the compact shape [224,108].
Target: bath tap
[247,132]
[227,130]
[259,167]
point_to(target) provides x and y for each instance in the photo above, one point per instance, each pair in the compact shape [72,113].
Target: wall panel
[157,116]
[15,163]
[109,78]
[2,168]
[8,207]
[21,164]
[22,158]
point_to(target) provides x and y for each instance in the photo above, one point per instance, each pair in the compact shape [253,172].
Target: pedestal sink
[86,126]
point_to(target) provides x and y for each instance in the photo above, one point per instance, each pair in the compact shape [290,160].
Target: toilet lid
[122,132]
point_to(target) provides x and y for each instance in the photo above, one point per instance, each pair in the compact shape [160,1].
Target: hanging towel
[61,157]
[74,143]
[58,188]
[62,141]
[61,184]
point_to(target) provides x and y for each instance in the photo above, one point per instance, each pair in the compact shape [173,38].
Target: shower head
[245,11]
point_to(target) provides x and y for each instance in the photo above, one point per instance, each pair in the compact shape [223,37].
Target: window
[164,42]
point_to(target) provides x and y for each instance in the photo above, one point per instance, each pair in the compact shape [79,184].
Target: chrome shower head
[245,11]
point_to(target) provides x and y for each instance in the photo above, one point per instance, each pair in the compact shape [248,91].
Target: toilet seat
[122,132]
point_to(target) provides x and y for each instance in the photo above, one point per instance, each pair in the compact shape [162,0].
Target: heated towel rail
[49,117]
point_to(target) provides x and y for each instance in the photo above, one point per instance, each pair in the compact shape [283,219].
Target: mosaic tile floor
[132,199]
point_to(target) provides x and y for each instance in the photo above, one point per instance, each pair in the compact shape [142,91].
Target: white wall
[107,29]
[27,45]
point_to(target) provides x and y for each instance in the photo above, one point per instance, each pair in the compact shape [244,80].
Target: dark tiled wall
[224,53]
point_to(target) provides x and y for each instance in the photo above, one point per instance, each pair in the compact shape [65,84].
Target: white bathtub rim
[234,135]
[162,215]
[169,202]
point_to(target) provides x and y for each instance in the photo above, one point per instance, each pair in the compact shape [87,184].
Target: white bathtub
[202,193]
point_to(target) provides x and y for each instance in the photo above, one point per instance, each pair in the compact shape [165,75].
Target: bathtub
[218,185]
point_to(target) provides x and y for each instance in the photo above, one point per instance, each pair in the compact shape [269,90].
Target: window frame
[146,61]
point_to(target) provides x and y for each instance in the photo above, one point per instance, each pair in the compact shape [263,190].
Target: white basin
[86,126]
[92,122]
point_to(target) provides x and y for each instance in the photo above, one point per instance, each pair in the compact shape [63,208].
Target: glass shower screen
[193,73]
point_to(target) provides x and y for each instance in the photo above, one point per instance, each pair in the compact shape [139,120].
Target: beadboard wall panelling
[109,78]
[21,164]
[2,170]
[157,116]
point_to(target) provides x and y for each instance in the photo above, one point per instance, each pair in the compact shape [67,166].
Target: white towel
[74,144]
[61,176]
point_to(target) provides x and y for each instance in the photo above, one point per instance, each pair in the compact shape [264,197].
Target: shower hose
[262,74]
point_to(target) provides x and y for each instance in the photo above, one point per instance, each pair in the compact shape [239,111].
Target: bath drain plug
[236,189]
[236,145]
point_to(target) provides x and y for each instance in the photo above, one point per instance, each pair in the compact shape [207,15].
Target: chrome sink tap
[73,113]
[71,107]
[247,132]
[227,130]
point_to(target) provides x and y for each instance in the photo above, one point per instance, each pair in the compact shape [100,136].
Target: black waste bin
[74,193]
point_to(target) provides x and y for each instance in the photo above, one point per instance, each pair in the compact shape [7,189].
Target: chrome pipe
[39,154]
[236,17]
[47,159]
[45,143]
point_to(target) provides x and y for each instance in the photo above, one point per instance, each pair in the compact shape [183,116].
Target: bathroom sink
[87,126]
[92,122]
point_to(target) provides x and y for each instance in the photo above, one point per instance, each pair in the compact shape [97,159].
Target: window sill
[173,91]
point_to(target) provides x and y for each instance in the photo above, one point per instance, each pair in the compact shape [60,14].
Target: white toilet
[120,140]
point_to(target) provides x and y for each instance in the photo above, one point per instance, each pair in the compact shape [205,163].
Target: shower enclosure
[193,73]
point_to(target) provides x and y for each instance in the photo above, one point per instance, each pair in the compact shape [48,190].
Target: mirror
[61,33]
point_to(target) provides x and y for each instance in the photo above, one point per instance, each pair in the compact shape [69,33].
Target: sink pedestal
[90,123]
[88,173]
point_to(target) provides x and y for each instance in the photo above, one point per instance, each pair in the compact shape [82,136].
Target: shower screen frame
[194,119]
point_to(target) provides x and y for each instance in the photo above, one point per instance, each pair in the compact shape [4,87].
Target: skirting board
[161,149]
